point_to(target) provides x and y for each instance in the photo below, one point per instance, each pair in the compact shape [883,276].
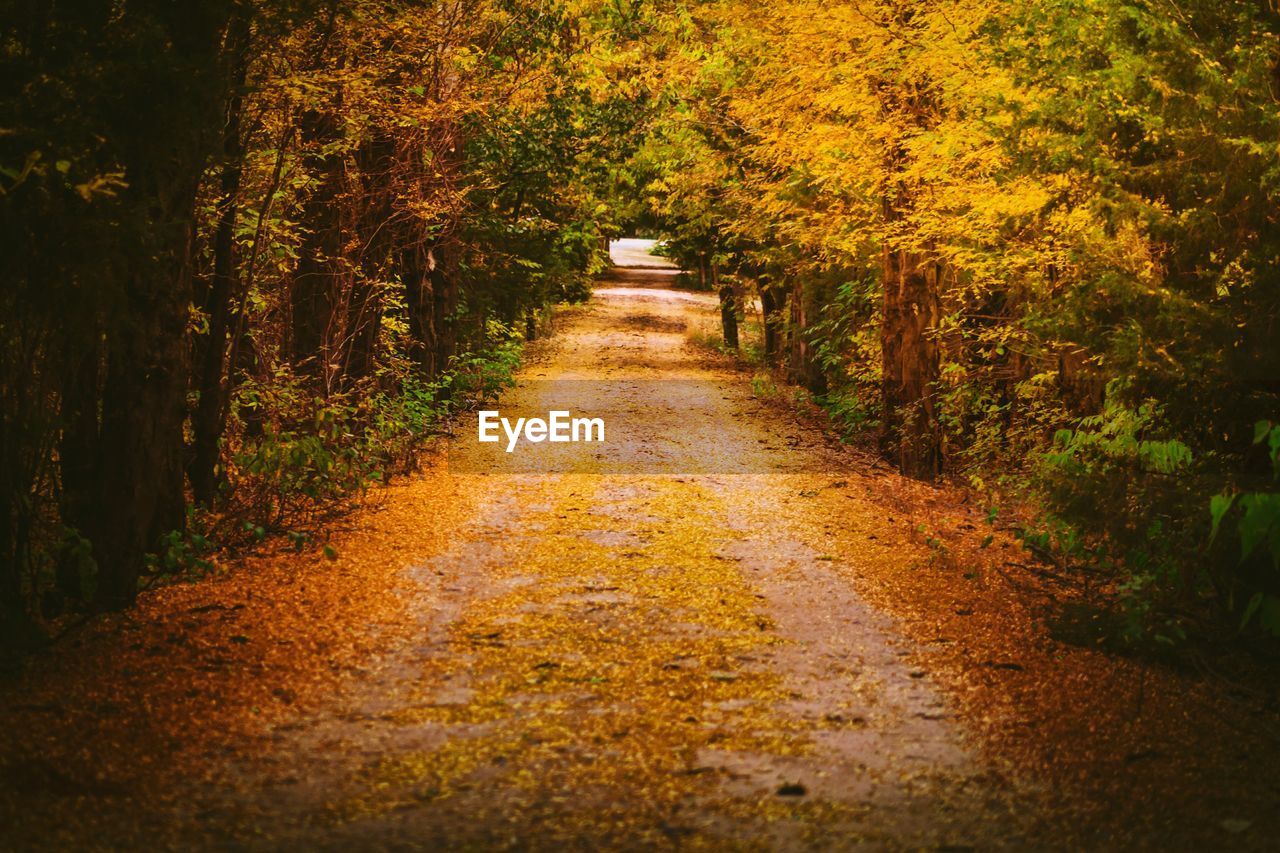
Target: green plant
[846,347]
[181,554]
[479,376]
[1257,531]
[1121,499]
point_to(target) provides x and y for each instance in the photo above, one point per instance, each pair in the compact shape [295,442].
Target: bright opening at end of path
[638,253]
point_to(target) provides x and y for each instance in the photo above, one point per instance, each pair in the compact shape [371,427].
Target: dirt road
[652,658]
[650,642]
[678,638]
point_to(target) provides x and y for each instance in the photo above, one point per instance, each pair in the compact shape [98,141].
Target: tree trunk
[444,293]
[378,167]
[242,359]
[415,274]
[144,398]
[315,297]
[909,348]
[728,308]
[910,432]
[79,463]
[209,419]
[141,497]
[803,368]
[771,304]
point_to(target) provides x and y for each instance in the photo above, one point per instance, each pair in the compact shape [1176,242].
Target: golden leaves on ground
[139,705]
[609,669]
[1119,743]
[599,680]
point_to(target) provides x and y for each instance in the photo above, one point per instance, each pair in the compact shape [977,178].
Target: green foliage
[1122,497]
[847,348]
[480,377]
[1121,500]
[314,451]
[1114,441]
[181,554]
[1256,516]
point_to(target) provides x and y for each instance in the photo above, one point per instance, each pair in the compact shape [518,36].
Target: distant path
[631,253]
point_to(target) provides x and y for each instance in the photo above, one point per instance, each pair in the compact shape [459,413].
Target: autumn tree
[251,250]
[992,224]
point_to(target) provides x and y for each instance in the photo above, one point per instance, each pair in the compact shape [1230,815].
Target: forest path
[640,644]
[650,643]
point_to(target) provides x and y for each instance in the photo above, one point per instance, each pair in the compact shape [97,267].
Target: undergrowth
[300,458]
